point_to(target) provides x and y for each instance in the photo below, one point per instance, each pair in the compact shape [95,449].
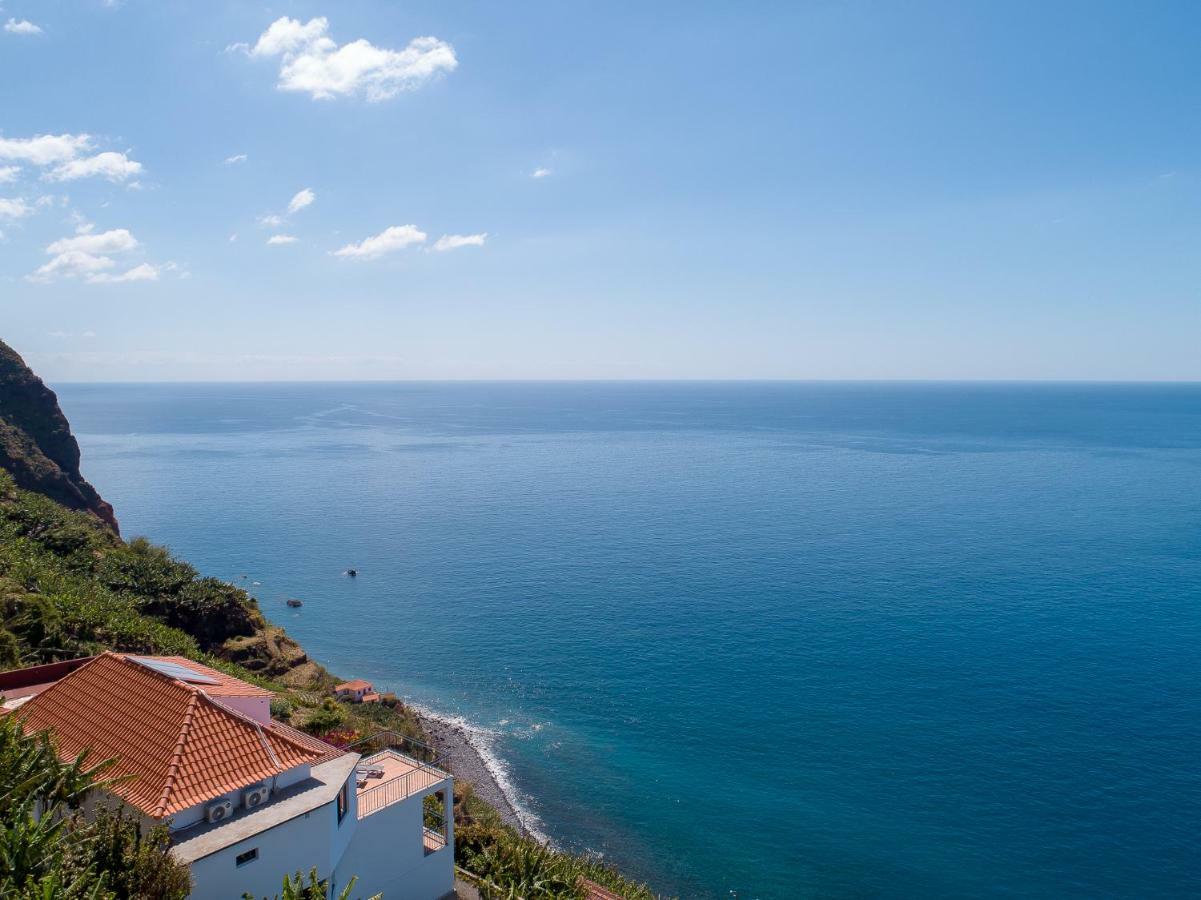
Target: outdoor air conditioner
[255,796]
[219,811]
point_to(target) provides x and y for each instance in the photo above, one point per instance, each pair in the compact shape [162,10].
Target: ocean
[784,639]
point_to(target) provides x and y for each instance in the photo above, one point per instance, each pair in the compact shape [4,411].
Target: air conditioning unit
[255,796]
[219,811]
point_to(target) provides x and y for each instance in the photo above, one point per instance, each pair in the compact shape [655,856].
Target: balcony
[393,768]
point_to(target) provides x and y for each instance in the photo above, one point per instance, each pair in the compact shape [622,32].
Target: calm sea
[794,640]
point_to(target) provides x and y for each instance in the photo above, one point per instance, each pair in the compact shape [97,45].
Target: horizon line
[878,381]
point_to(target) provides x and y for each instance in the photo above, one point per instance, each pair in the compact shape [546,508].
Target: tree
[49,851]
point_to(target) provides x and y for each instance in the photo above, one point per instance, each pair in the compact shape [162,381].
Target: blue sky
[601,190]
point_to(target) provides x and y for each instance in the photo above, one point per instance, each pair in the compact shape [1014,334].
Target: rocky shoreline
[466,762]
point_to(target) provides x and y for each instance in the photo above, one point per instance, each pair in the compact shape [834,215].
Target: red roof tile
[357,685]
[182,746]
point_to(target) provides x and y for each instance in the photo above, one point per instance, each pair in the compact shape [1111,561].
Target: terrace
[393,768]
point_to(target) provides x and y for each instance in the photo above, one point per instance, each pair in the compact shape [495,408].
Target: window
[248,857]
[343,801]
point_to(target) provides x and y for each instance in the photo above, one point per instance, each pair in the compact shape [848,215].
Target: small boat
[295,603]
[353,573]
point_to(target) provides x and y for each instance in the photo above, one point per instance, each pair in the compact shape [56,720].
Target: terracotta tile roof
[357,685]
[182,746]
[326,751]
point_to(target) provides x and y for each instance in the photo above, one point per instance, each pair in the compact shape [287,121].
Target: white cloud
[72,264]
[235,159]
[8,174]
[286,35]
[301,200]
[387,241]
[313,62]
[45,149]
[233,237]
[282,239]
[144,272]
[89,256]
[14,209]
[23,26]
[270,221]
[118,240]
[111,165]
[455,241]
[66,153]
[540,173]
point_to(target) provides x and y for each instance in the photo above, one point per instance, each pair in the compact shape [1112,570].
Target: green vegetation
[59,855]
[519,866]
[69,587]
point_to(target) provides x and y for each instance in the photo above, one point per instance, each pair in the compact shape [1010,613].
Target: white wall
[295,845]
[387,853]
[340,834]
[258,708]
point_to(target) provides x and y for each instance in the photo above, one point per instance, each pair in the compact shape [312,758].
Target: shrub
[281,709]
[325,718]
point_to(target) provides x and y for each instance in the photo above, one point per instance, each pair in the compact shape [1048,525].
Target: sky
[464,189]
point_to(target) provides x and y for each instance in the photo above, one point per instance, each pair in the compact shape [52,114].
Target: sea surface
[790,640]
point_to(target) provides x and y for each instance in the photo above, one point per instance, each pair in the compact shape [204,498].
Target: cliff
[36,444]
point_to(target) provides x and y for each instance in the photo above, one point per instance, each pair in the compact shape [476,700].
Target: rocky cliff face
[36,444]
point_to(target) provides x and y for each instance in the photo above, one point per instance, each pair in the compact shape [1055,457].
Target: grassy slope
[69,587]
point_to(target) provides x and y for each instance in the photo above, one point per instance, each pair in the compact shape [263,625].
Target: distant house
[357,691]
[246,799]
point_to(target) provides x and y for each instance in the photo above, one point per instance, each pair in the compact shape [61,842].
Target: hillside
[36,444]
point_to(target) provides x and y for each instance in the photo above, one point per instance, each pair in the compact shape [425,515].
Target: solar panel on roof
[175,670]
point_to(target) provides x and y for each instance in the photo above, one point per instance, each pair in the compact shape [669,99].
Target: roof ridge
[91,661]
[173,766]
[267,746]
[258,727]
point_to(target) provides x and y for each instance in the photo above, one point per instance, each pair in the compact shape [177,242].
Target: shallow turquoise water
[795,640]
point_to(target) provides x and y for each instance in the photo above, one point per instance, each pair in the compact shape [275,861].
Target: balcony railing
[408,766]
[401,743]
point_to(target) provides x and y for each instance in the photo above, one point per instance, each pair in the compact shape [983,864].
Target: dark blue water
[791,639]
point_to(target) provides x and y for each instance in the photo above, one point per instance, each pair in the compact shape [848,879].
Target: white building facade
[386,844]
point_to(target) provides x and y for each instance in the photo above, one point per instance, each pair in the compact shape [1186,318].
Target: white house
[247,799]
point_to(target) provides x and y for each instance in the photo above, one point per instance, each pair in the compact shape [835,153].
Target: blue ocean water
[794,640]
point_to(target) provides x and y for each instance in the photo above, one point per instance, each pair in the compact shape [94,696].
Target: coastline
[470,760]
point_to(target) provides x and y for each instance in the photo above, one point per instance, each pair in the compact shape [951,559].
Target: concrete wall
[385,850]
[293,846]
[342,833]
[387,853]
